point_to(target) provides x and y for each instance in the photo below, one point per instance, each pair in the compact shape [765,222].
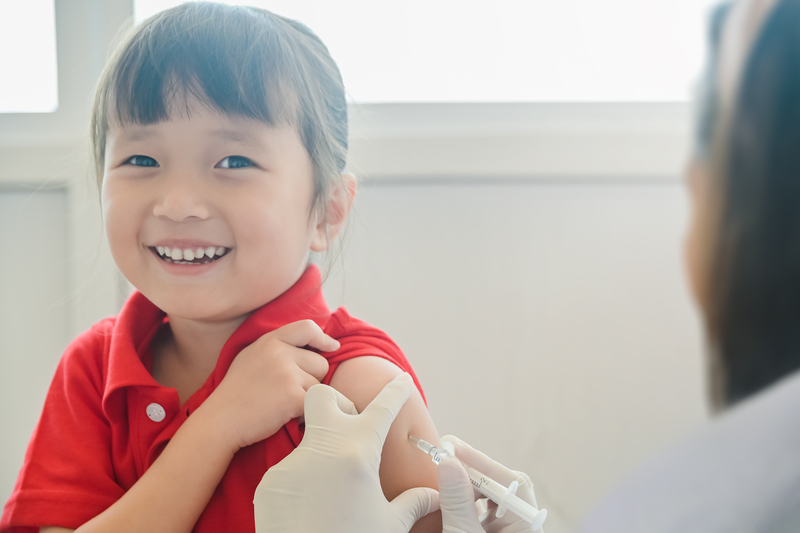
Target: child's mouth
[189,256]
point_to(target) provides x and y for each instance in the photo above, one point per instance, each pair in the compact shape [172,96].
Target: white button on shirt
[155,412]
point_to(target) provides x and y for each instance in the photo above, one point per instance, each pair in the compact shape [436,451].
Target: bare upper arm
[402,465]
[51,529]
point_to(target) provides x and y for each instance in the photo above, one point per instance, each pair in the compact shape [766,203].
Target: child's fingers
[307,381]
[306,333]
[311,363]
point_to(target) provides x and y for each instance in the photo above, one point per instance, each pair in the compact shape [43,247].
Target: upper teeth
[188,254]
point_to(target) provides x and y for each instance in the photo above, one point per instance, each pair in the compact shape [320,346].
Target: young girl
[220,136]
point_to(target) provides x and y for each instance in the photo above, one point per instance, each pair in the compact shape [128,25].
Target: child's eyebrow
[133,135]
[237,136]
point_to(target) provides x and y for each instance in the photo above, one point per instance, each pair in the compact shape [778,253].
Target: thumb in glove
[331,483]
[456,499]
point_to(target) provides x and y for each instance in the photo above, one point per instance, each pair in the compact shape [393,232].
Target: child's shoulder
[368,357]
[359,339]
[131,329]
[348,329]
[97,337]
[89,350]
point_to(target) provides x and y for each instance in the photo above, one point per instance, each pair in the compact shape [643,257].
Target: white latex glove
[330,482]
[460,511]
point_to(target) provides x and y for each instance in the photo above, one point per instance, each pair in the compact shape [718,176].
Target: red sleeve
[359,339]
[67,476]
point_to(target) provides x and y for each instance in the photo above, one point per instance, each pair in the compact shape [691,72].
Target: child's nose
[181,199]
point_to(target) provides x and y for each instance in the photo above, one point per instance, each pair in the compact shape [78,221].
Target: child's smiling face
[210,181]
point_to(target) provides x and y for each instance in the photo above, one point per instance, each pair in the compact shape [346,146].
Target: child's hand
[267,382]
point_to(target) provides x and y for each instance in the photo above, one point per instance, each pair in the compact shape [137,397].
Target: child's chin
[200,310]
[189,304]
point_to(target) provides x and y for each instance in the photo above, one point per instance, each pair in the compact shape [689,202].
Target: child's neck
[187,353]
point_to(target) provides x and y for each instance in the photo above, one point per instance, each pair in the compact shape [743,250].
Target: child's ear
[334,215]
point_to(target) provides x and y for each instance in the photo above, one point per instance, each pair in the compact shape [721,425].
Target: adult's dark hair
[754,275]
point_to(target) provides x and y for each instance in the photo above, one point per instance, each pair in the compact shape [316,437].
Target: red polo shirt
[105,419]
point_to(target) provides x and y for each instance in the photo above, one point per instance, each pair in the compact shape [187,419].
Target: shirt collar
[139,321]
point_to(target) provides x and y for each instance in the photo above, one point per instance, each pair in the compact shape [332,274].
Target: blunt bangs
[201,59]
[238,60]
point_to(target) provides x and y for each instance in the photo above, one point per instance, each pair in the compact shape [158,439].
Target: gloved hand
[330,482]
[460,512]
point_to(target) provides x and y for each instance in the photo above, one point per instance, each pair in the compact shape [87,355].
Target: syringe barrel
[499,494]
[489,487]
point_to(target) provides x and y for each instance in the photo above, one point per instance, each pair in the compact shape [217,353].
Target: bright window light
[28,56]
[505,50]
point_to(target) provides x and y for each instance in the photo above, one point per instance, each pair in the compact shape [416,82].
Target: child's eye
[141,161]
[235,161]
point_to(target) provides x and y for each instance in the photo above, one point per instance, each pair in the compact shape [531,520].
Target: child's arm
[274,373]
[402,465]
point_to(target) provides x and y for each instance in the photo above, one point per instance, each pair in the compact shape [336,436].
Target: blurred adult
[742,472]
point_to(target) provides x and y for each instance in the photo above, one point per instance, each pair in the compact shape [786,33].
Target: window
[505,50]
[28,57]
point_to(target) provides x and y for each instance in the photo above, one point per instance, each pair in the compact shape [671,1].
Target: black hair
[754,285]
[708,93]
[240,60]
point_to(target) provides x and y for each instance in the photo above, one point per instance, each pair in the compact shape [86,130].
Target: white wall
[548,320]
[526,257]
[33,322]
[57,276]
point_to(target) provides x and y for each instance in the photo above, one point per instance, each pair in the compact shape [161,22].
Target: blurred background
[518,228]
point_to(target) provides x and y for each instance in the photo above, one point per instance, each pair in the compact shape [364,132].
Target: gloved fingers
[323,402]
[415,503]
[525,490]
[455,489]
[482,507]
[381,412]
[482,462]
[503,525]
[523,478]
[456,498]
[508,523]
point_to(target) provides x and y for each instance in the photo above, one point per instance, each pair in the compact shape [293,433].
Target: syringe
[504,497]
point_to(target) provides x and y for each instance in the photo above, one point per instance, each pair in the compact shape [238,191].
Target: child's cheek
[122,223]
